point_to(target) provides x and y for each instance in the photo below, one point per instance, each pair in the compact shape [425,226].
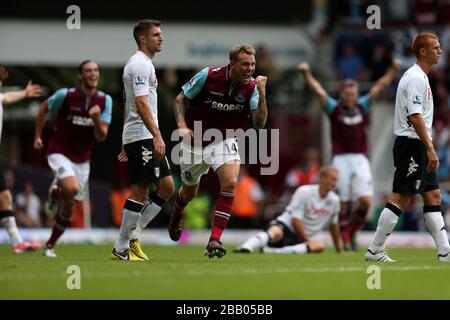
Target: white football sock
[435,224]
[258,241]
[386,223]
[9,223]
[298,248]
[129,223]
[148,213]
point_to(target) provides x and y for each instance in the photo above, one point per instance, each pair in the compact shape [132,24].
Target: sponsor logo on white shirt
[140,80]
[416,100]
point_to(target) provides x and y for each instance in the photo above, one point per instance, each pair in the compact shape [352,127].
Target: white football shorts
[63,167]
[195,161]
[355,178]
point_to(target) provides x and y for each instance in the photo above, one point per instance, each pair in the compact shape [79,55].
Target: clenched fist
[94,111]
[303,67]
[397,63]
[261,82]
[38,144]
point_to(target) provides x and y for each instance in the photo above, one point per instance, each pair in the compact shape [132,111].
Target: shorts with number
[355,178]
[142,165]
[410,161]
[195,161]
[63,167]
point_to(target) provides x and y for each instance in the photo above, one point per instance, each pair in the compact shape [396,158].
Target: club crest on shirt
[240,98]
[416,100]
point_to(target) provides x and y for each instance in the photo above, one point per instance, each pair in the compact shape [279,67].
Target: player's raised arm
[386,79]
[31,90]
[40,122]
[260,114]
[312,83]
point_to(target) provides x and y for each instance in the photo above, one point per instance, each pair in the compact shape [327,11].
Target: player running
[83,115]
[220,98]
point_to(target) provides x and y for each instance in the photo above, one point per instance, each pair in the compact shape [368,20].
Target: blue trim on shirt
[56,100]
[107,112]
[331,104]
[365,101]
[193,88]
[254,100]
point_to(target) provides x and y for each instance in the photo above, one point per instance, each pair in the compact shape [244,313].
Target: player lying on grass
[312,207]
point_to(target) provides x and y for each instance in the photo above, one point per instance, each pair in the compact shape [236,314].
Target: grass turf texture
[182,272]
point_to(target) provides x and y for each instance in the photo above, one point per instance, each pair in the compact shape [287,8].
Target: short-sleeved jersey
[314,212]
[1,114]
[348,125]
[73,134]
[139,79]
[413,96]
[213,100]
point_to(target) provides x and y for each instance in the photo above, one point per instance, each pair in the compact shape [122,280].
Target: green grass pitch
[182,272]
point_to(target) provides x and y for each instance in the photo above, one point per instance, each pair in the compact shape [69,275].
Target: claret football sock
[58,229]
[222,214]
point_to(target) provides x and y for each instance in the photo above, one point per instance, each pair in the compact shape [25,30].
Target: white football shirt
[314,212]
[413,96]
[139,79]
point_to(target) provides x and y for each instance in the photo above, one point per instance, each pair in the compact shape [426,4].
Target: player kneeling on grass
[295,231]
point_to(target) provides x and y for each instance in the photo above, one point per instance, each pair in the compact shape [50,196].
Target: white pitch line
[195,273]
